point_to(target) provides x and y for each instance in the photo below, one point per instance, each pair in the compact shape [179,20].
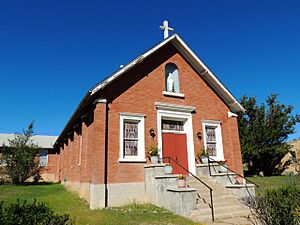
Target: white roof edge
[231,100]
[235,102]
[130,65]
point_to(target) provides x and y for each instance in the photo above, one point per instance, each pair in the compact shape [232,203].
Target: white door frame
[178,113]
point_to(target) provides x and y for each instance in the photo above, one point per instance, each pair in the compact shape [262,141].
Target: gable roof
[192,58]
[189,55]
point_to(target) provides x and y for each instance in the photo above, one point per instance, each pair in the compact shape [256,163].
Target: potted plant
[223,168]
[181,182]
[168,168]
[198,156]
[203,156]
[153,152]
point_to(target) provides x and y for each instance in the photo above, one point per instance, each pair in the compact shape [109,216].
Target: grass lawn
[62,201]
[274,182]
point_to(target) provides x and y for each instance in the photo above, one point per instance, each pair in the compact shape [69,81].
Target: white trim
[217,125]
[211,121]
[132,114]
[133,160]
[231,114]
[188,129]
[141,137]
[174,107]
[100,100]
[173,131]
[173,94]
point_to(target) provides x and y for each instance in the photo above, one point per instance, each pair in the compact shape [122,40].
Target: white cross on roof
[166,28]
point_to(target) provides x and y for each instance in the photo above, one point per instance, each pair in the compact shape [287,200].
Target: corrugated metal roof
[41,140]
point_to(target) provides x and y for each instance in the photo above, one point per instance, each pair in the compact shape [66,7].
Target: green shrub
[35,213]
[276,207]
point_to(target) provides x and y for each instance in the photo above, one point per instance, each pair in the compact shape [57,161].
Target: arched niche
[171,78]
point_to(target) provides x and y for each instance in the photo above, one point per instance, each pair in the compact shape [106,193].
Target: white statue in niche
[170,83]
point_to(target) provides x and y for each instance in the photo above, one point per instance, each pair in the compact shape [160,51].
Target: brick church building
[168,90]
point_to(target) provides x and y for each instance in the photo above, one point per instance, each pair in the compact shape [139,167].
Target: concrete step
[218,197]
[205,189]
[220,212]
[221,208]
[226,204]
[236,220]
[219,216]
[217,189]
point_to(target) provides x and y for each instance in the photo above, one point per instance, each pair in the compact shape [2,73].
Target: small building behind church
[166,97]
[48,158]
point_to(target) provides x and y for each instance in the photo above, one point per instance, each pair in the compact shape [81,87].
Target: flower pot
[154,159]
[168,169]
[204,160]
[223,169]
[181,183]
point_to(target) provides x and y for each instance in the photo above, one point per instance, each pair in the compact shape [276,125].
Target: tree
[263,131]
[20,156]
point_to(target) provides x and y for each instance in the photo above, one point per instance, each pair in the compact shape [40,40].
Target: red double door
[174,145]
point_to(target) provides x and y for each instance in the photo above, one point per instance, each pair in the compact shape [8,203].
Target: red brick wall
[136,92]
[53,166]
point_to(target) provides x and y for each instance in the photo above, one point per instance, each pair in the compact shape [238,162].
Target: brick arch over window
[172,69]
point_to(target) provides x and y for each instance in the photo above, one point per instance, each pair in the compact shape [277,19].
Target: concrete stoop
[226,204]
[194,201]
[162,190]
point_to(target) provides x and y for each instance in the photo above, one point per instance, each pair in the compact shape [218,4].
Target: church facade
[166,97]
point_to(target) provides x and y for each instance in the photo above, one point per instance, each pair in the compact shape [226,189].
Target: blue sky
[52,52]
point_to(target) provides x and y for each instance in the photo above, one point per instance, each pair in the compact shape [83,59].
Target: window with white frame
[43,157]
[213,139]
[132,137]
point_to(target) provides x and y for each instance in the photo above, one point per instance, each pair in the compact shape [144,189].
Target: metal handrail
[210,160]
[214,161]
[210,189]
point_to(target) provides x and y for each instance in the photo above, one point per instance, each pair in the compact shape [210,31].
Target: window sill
[132,160]
[173,94]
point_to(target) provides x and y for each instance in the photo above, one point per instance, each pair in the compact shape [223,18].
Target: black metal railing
[210,160]
[197,178]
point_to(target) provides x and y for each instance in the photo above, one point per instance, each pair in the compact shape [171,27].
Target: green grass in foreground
[275,182]
[63,201]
